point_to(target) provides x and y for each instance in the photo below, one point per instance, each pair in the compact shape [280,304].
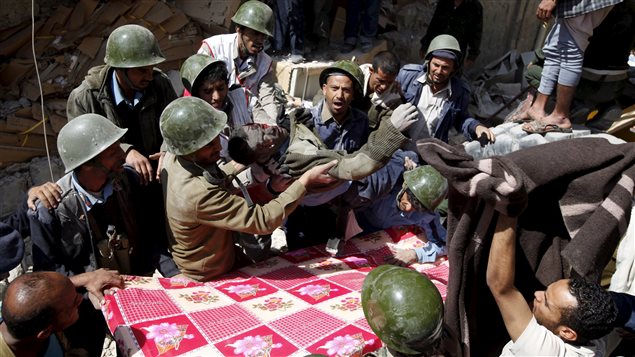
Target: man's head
[133,51]
[206,78]
[254,22]
[38,304]
[383,72]
[190,127]
[444,58]
[340,83]
[91,141]
[576,310]
[256,143]
[423,190]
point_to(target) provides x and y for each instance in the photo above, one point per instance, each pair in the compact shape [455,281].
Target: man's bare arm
[500,278]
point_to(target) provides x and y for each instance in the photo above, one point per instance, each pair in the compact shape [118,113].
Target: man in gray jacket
[130,92]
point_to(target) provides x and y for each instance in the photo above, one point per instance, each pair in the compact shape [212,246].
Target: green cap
[445,42]
[255,15]
[350,69]
[427,184]
[132,46]
[189,123]
[85,137]
[403,308]
[193,67]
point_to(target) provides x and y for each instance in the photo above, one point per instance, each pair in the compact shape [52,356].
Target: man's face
[404,204]
[112,159]
[379,81]
[140,77]
[339,91]
[265,140]
[214,93]
[440,71]
[68,302]
[549,304]
[209,153]
[253,40]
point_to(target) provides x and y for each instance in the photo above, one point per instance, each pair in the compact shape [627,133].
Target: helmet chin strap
[126,79]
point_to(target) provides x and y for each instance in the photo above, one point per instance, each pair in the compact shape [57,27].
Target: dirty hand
[402,257]
[141,164]
[404,116]
[483,130]
[318,174]
[158,156]
[49,193]
[99,281]
[545,10]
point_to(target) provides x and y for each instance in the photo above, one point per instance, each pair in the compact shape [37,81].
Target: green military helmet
[193,67]
[255,15]
[427,184]
[350,68]
[131,46]
[445,43]
[189,123]
[85,137]
[403,308]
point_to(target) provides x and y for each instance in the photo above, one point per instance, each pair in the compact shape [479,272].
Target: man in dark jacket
[130,92]
[441,97]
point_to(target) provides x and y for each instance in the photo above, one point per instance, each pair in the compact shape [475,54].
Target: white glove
[404,116]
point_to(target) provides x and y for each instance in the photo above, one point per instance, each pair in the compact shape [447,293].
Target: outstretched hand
[99,282]
[141,164]
[404,116]
[318,174]
[486,133]
[401,257]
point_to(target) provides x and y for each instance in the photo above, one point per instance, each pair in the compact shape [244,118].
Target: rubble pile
[67,43]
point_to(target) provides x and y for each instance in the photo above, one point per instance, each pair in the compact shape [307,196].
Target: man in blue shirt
[401,194]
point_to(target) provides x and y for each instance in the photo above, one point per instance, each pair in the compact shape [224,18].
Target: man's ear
[324,89]
[567,334]
[44,334]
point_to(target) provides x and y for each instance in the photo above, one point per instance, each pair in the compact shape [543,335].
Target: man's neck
[90,183]
[436,87]
[27,348]
[126,90]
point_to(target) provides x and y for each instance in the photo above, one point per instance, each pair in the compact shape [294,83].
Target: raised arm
[501,270]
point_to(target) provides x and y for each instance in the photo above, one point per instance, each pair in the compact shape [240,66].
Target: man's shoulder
[412,67]
[95,77]
[408,73]
[46,216]
[538,340]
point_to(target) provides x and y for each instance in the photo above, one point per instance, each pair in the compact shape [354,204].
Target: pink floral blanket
[295,304]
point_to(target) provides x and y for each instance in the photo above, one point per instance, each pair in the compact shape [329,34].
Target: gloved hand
[404,116]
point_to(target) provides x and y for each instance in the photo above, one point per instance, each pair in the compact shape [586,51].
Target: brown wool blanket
[573,199]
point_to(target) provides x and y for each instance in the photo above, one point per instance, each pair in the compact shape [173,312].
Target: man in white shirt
[564,318]
[248,65]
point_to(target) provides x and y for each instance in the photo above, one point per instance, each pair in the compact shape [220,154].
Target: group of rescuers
[138,159]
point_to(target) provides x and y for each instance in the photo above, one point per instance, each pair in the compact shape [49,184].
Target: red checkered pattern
[307,326]
[296,324]
[288,277]
[219,323]
[440,272]
[137,305]
[378,256]
[353,280]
